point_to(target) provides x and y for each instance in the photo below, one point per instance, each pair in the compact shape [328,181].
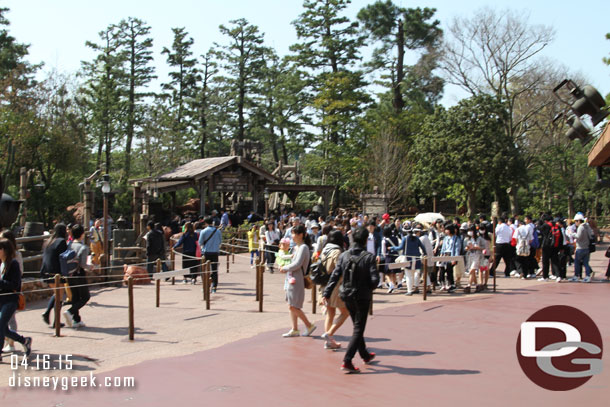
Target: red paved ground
[453,352]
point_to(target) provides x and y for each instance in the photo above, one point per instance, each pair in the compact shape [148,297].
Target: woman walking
[295,292]
[10,285]
[50,263]
[188,241]
[330,255]
[12,324]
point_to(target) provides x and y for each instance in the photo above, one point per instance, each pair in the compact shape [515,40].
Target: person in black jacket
[10,285]
[365,280]
[50,262]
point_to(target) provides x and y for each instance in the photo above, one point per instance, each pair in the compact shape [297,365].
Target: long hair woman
[55,246]
[10,285]
[188,241]
[295,291]
[330,255]
[12,324]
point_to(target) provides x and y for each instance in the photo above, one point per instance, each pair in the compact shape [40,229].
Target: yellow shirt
[252,240]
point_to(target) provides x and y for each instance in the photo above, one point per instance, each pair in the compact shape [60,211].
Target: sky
[57,29]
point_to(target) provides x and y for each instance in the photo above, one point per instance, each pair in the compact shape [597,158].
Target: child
[253,243]
[284,258]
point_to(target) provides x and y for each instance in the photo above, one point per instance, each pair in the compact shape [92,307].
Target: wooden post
[313,298]
[227,259]
[258,277]
[233,250]
[172,256]
[207,276]
[57,305]
[158,283]
[371,307]
[425,267]
[260,289]
[493,251]
[130,291]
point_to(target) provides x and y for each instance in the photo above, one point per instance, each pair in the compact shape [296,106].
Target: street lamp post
[267,194]
[106,191]
[434,201]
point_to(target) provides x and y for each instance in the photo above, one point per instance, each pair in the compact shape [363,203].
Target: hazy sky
[57,29]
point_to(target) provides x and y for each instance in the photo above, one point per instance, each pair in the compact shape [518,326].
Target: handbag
[21,302]
[307,282]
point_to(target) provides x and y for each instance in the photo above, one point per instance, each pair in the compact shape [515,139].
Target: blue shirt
[188,242]
[214,239]
[451,245]
[411,245]
[224,220]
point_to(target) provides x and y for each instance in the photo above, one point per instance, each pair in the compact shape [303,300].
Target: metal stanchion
[57,290]
[425,267]
[206,276]
[313,298]
[158,283]
[261,290]
[130,293]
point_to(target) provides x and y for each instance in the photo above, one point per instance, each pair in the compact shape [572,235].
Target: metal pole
[261,290]
[130,291]
[57,306]
[227,260]
[313,298]
[158,283]
[425,266]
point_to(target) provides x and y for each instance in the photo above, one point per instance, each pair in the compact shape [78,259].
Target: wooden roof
[189,174]
[599,156]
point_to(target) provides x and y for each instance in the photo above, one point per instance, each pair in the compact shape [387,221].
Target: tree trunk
[131,120]
[398,101]
[514,200]
[472,201]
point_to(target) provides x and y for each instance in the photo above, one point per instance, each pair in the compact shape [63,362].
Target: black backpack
[318,272]
[548,238]
[349,288]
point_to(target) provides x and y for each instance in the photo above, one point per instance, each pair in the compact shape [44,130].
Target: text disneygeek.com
[18,380]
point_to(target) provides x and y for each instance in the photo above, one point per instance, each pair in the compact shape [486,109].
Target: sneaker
[325,336]
[518,275]
[9,348]
[214,290]
[332,346]
[380,285]
[391,289]
[292,333]
[309,330]
[558,280]
[538,272]
[45,318]
[543,279]
[467,289]
[27,346]
[348,367]
[370,358]
[409,293]
[80,324]
[586,279]
[574,279]
[552,277]
[185,281]
[451,289]
[69,318]
[513,273]
[399,286]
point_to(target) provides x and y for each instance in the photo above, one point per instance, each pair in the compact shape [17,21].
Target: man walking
[504,250]
[155,247]
[209,241]
[584,237]
[359,271]
[80,295]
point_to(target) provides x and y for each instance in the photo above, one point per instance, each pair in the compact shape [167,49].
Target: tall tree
[328,50]
[399,30]
[496,53]
[180,92]
[136,43]
[202,100]
[103,92]
[243,61]
[473,146]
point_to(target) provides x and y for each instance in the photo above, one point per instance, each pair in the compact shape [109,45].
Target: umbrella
[429,217]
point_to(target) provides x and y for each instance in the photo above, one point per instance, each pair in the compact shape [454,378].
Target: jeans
[213,257]
[7,310]
[358,311]
[581,258]
[80,297]
[253,253]
[152,267]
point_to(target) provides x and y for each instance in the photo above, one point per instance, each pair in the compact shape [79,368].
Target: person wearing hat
[584,237]
[411,249]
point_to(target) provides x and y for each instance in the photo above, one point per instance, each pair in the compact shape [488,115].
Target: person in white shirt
[524,237]
[504,250]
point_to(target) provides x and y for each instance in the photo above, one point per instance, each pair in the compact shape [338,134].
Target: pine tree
[180,92]
[243,61]
[137,46]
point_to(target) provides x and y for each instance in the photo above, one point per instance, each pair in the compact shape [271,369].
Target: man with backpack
[550,248]
[523,237]
[210,240]
[77,277]
[359,271]
[155,247]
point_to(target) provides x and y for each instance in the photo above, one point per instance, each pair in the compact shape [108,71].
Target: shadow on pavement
[416,371]
[400,352]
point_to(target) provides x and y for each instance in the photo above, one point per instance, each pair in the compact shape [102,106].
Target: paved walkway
[450,350]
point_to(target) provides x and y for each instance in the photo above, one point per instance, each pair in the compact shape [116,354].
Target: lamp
[434,201]
[106,184]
